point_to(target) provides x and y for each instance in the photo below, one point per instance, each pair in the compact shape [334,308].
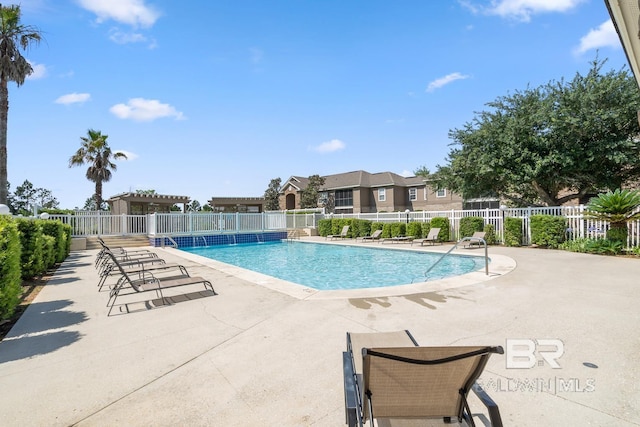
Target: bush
[360,227]
[548,230]
[324,227]
[490,234]
[512,231]
[49,253]
[414,229]
[386,231]
[32,243]
[618,234]
[10,252]
[55,229]
[443,224]
[469,225]
[398,229]
[376,226]
[604,247]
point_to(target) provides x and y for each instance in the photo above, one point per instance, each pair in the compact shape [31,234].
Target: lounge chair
[389,378]
[148,282]
[138,267]
[342,235]
[374,236]
[432,237]
[477,239]
[398,239]
[104,260]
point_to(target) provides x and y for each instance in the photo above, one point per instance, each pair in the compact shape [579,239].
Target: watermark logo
[527,353]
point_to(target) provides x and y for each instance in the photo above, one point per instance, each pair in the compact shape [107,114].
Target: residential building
[364,192]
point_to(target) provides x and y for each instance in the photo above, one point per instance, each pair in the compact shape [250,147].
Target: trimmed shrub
[548,230]
[324,227]
[386,231]
[376,226]
[442,223]
[10,250]
[414,229]
[32,259]
[490,234]
[66,229]
[512,231]
[469,225]
[360,227]
[398,229]
[49,252]
[55,230]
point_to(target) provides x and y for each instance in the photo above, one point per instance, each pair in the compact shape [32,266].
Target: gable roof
[357,179]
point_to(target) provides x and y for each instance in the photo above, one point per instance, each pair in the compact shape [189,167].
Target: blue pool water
[329,267]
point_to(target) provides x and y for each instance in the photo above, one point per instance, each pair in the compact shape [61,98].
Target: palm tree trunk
[4,113]
[98,195]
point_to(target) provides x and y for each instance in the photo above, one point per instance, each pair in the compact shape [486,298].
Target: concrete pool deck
[254,355]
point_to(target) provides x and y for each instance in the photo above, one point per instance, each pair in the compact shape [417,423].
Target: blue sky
[215,98]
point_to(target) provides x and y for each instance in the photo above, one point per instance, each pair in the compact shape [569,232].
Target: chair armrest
[350,391]
[492,407]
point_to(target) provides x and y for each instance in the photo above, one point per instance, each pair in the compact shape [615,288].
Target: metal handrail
[174,244]
[465,239]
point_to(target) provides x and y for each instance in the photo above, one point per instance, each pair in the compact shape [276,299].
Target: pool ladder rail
[464,239]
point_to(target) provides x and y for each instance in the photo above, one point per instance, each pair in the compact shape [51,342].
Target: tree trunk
[98,195]
[4,114]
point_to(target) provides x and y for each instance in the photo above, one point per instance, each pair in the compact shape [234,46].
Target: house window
[382,195]
[442,192]
[344,198]
[413,194]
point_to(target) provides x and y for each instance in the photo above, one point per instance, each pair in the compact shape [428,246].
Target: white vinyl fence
[196,223]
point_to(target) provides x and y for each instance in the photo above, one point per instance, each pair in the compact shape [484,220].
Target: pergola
[142,204]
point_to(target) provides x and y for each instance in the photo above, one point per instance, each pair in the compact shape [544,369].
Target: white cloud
[603,36]
[130,156]
[329,146]
[145,110]
[131,12]
[521,10]
[406,173]
[73,98]
[442,81]
[39,71]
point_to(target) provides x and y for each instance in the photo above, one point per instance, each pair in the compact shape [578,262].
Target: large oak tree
[550,144]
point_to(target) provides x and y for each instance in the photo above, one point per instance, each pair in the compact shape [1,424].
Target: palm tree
[13,68]
[98,155]
[619,208]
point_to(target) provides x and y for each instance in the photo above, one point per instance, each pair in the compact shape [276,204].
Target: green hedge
[490,234]
[442,223]
[548,230]
[324,227]
[10,274]
[414,229]
[32,259]
[469,225]
[55,229]
[512,231]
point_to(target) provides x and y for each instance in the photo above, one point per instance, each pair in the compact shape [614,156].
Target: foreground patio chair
[432,237]
[374,236]
[342,234]
[390,379]
[147,282]
[478,238]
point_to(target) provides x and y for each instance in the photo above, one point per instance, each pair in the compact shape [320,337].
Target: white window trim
[413,194]
[444,192]
[382,195]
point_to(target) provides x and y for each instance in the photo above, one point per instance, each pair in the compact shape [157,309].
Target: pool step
[118,241]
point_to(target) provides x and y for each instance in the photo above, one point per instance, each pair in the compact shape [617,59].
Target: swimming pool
[334,267]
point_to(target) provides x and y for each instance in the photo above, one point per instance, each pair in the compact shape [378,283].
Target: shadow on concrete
[133,307]
[34,333]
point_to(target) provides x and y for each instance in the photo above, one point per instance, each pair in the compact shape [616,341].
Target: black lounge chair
[147,282]
[388,377]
